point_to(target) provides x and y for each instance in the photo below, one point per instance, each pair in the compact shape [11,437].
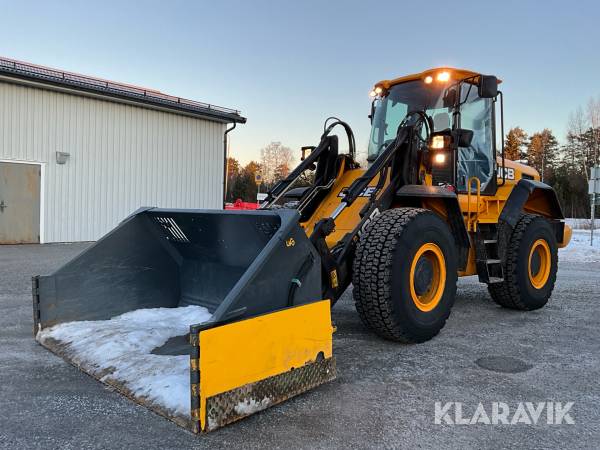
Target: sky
[289,65]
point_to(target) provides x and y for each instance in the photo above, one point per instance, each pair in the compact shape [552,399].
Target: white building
[79,154]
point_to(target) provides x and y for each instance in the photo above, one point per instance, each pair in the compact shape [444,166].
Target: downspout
[225,163]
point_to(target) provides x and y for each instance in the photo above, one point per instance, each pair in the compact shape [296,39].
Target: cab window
[477,160]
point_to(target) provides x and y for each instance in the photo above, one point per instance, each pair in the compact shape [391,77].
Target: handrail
[472,222]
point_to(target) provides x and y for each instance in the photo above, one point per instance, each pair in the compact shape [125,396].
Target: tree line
[276,161]
[565,167]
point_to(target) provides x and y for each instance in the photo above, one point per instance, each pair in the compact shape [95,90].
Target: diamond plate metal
[225,408]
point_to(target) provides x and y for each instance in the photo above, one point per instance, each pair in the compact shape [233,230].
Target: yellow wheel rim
[539,263]
[427,277]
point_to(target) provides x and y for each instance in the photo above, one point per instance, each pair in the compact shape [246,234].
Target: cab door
[478,159]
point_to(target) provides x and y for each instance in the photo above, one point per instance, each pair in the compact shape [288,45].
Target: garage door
[19,203]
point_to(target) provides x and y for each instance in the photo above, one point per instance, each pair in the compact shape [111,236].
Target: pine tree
[516,143]
[543,152]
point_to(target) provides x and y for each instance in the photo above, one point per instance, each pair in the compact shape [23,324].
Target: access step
[494,280]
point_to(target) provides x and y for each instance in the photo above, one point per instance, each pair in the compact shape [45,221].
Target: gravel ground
[384,395]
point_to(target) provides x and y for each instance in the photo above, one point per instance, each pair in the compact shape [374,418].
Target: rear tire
[404,275]
[530,266]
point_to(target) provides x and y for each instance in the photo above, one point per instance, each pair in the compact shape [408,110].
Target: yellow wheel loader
[438,200]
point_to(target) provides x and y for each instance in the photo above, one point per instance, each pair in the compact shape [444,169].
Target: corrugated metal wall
[122,157]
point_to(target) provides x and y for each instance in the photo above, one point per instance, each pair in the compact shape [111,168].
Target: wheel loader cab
[451,104]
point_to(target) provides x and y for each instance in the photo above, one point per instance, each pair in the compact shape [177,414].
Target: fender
[535,197]
[531,195]
[453,217]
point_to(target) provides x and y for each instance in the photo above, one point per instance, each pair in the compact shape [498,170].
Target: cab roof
[455,75]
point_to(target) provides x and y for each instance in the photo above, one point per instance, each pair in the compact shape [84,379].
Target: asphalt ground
[384,396]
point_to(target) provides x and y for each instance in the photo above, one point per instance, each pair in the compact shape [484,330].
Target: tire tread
[507,293]
[373,272]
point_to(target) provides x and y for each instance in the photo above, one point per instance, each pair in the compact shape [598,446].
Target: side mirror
[463,137]
[488,86]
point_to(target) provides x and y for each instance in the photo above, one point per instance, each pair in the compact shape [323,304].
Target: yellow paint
[431,298]
[487,208]
[472,219]
[542,250]
[238,353]
[349,218]
[566,237]
[520,169]
[471,267]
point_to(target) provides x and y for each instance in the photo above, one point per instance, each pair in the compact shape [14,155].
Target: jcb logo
[370,219]
[509,173]
[369,190]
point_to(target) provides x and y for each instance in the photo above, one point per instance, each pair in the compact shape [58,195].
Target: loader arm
[379,165]
[337,260]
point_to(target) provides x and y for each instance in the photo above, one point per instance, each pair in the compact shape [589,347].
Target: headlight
[428,79]
[377,90]
[443,76]
[438,142]
[439,158]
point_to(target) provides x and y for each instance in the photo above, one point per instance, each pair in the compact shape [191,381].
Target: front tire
[404,275]
[530,267]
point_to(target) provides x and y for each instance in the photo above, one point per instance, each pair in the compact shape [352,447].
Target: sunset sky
[289,65]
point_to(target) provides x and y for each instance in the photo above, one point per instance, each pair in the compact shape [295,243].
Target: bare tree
[276,161]
[577,151]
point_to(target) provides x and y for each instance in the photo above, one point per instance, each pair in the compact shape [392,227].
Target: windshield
[401,99]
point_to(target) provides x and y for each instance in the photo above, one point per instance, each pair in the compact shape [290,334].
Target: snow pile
[579,249]
[119,350]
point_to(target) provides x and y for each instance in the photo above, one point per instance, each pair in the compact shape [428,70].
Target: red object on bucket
[239,204]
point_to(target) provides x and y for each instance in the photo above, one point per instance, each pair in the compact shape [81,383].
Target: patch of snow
[250,406]
[582,224]
[119,349]
[579,249]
